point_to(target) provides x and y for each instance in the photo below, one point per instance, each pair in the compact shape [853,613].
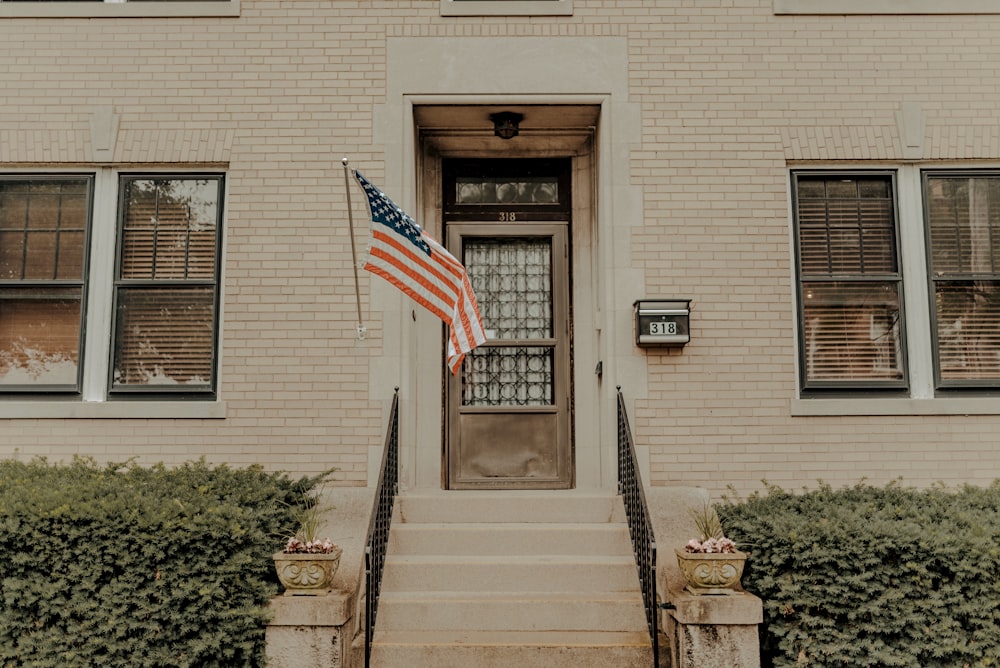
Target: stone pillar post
[713,631]
[310,631]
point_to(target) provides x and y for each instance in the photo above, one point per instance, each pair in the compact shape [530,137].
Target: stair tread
[508,526]
[509,559]
[509,506]
[582,596]
[579,492]
[509,638]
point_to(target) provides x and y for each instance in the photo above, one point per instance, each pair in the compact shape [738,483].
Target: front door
[509,406]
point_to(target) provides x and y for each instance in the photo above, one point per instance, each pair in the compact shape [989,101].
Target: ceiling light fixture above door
[506,124]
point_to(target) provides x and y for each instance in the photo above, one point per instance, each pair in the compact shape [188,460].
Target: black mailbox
[662,322]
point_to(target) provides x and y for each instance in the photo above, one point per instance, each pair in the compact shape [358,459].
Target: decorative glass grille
[512,279]
[520,376]
[507,190]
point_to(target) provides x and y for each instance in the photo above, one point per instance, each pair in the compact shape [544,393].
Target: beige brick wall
[730,94]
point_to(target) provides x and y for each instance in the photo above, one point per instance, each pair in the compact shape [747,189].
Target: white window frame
[870,7]
[120,9]
[506,7]
[93,400]
[922,397]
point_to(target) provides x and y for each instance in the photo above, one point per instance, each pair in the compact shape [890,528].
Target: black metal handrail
[378,527]
[639,526]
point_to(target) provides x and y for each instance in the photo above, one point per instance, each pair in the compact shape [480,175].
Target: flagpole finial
[344,160]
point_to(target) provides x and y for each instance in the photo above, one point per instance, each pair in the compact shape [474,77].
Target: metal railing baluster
[378,527]
[639,526]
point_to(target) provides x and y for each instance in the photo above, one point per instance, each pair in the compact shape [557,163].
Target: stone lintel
[740,608]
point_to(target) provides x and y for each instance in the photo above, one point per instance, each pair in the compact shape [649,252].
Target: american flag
[403,254]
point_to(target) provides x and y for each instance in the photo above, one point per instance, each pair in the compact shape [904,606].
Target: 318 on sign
[667,328]
[662,322]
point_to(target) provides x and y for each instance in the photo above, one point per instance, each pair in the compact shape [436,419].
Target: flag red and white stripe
[403,254]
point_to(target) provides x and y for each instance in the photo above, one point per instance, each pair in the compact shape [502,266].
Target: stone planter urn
[712,573]
[307,574]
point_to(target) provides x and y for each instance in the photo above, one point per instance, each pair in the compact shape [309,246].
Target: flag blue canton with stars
[385,212]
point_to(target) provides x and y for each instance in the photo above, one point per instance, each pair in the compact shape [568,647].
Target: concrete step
[513,538]
[513,578]
[545,507]
[509,573]
[512,612]
[488,649]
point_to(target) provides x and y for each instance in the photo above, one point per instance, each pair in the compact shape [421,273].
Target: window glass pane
[963,218]
[165,337]
[170,229]
[504,190]
[42,226]
[846,226]
[44,210]
[852,331]
[167,285]
[964,221]
[968,330]
[70,258]
[11,255]
[40,255]
[43,223]
[850,302]
[39,336]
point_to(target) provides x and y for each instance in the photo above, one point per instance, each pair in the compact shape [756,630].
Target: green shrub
[867,576]
[127,566]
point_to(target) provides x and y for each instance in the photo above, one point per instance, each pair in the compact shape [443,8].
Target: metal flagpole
[354,252]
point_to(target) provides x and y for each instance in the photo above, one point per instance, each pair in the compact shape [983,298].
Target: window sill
[845,7]
[506,7]
[60,10]
[869,406]
[112,409]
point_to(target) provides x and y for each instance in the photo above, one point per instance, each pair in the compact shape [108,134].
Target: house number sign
[662,322]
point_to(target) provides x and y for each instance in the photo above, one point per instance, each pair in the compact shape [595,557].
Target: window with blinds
[166,287]
[849,281]
[963,221]
[44,222]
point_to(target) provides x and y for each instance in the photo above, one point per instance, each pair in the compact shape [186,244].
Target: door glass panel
[512,279]
[518,376]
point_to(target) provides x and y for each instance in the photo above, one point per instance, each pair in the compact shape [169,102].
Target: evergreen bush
[869,576]
[124,566]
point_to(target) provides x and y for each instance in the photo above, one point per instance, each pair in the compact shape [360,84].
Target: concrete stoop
[492,579]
